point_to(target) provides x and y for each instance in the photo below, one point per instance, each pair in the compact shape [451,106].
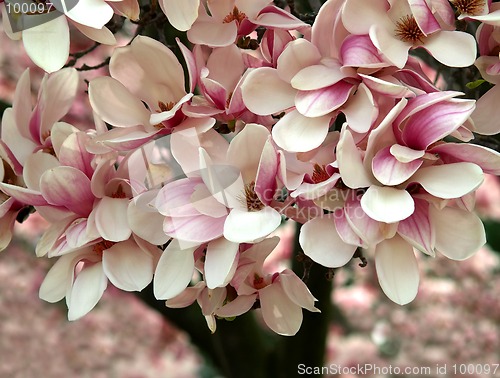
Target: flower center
[408,30]
[258,282]
[251,200]
[234,15]
[119,193]
[319,174]
[100,247]
[472,7]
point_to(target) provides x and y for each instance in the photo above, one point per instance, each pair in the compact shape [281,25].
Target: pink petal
[197,229]
[417,229]
[265,181]
[424,17]
[359,51]
[23,195]
[393,49]
[274,17]
[487,159]
[68,187]
[435,122]
[390,171]
[320,102]
[318,76]
[74,153]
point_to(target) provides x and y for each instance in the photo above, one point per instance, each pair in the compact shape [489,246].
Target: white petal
[321,242]
[296,133]
[459,233]
[280,314]
[127,266]
[111,219]
[145,221]
[265,93]
[350,162]
[249,226]
[87,289]
[397,270]
[174,271]
[452,48]
[47,45]
[386,204]
[297,290]
[218,262]
[54,286]
[449,180]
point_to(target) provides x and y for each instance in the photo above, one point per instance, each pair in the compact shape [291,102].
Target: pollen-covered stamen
[408,30]
[251,200]
[471,7]
[100,247]
[234,15]
[164,108]
[119,193]
[258,282]
[319,174]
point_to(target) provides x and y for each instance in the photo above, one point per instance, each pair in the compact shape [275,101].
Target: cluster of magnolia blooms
[333,125]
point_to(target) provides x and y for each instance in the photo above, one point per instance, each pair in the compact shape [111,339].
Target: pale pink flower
[27,129]
[396,27]
[146,72]
[48,44]
[282,296]
[228,19]
[82,276]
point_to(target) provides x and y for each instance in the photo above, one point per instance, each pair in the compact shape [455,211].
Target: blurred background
[455,318]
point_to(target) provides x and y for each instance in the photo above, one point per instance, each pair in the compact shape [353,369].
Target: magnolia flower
[47,44]
[282,296]
[143,96]
[396,27]
[223,21]
[82,276]
[27,129]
